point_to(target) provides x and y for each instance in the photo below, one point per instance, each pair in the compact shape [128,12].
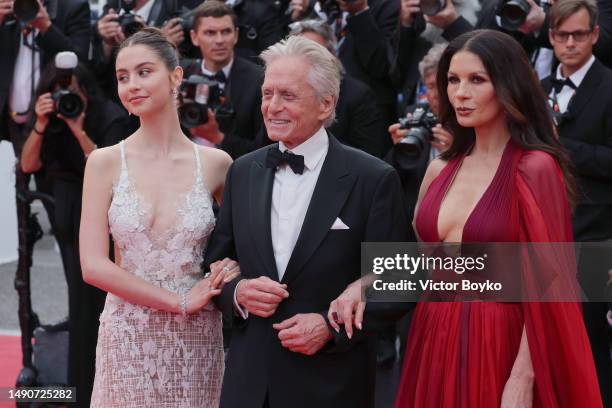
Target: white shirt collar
[145,10]
[578,76]
[226,69]
[313,149]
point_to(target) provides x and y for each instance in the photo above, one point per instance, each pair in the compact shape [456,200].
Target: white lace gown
[147,357]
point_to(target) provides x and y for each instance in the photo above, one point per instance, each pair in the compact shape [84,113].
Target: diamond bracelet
[184,304]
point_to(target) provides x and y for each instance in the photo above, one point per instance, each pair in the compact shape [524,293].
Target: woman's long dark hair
[518,91]
[88,84]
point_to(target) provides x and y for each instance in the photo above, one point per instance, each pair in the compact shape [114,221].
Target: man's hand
[110,29]
[304,333]
[347,309]
[6,8]
[173,30]
[210,130]
[409,9]
[447,16]
[353,7]
[298,9]
[42,21]
[45,105]
[442,138]
[534,20]
[260,296]
[397,134]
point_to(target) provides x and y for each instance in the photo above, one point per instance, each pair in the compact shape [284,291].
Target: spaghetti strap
[123,161]
[198,164]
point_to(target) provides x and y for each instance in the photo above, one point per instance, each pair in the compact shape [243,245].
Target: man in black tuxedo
[581,97]
[294,215]
[215,33]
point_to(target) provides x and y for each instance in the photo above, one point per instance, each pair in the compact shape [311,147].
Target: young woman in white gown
[160,340]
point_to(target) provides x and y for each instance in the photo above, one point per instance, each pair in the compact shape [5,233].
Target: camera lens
[193,114]
[431,7]
[129,24]
[513,13]
[70,105]
[25,10]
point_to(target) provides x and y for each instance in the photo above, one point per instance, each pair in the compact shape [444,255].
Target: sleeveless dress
[460,354]
[147,357]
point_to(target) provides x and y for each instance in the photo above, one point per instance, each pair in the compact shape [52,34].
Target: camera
[198,94]
[419,124]
[128,21]
[513,13]
[25,10]
[67,103]
[432,7]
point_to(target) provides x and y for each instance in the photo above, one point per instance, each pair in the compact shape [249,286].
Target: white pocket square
[339,225]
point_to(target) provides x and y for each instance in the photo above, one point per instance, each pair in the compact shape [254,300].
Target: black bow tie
[275,158]
[219,77]
[558,84]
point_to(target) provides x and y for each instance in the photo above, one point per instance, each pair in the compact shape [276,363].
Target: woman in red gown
[504,179]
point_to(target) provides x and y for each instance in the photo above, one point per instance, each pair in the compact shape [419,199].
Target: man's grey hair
[431,59]
[316,26]
[324,75]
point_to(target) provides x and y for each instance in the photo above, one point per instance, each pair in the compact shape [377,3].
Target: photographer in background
[71,119]
[364,29]
[29,41]
[417,140]
[410,156]
[231,118]
[358,122]
[122,18]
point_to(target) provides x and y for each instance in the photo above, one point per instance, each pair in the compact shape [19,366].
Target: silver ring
[226,269]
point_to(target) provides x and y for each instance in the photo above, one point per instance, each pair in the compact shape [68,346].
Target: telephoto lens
[25,10]
[432,7]
[512,13]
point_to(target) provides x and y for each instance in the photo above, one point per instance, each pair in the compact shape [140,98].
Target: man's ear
[194,37]
[327,104]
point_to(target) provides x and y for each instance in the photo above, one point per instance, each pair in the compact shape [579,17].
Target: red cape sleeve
[563,364]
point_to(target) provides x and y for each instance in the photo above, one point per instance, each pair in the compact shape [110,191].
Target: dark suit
[586,133]
[365,193]
[69,31]
[243,87]
[358,122]
[366,52]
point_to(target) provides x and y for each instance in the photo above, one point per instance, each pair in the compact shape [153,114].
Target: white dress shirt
[21,87]
[226,70]
[566,93]
[145,11]
[291,195]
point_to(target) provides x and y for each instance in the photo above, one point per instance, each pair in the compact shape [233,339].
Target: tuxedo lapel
[587,88]
[331,191]
[260,195]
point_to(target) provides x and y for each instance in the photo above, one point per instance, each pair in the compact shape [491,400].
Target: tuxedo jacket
[366,51]
[359,122]
[70,31]
[365,193]
[586,132]
[243,88]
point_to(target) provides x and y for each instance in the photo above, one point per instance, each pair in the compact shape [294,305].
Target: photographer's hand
[409,9]
[397,134]
[210,130]
[43,107]
[42,20]
[299,9]
[173,30]
[6,8]
[447,16]
[110,32]
[534,20]
[442,138]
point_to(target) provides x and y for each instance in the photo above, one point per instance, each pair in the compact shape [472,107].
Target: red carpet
[10,362]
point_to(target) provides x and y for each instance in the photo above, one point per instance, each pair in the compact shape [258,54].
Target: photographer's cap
[66,60]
